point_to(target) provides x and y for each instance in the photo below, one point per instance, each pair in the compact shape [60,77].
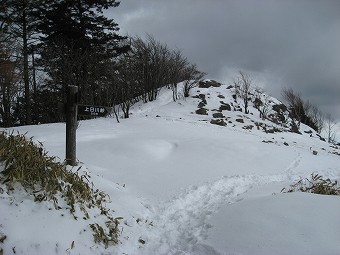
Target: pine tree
[20,23]
[79,44]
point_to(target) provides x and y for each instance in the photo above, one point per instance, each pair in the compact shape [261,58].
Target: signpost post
[71,124]
[72,111]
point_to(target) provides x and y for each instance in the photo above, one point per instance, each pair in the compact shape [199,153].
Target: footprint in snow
[182,222]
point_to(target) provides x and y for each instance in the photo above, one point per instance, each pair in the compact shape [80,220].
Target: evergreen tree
[79,45]
[19,22]
[8,80]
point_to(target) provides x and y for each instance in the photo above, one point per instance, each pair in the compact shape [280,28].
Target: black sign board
[93,111]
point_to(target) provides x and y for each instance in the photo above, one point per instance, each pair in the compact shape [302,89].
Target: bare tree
[317,117]
[261,102]
[125,88]
[330,128]
[151,62]
[156,66]
[191,78]
[176,71]
[295,102]
[303,111]
[242,85]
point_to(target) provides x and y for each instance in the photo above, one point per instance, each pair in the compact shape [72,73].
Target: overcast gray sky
[280,43]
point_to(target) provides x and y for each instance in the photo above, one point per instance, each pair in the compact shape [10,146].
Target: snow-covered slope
[186,186]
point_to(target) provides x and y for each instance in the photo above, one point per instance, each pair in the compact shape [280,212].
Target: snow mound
[279,224]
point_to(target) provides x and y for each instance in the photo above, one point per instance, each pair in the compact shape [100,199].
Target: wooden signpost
[71,124]
[72,111]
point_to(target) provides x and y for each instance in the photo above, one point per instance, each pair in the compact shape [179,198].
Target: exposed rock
[321,138]
[271,130]
[201,104]
[203,84]
[202,111]
[237,108]
[240,120]
[201,96]
[221,96]
[219,122]
[279,116]
[258,125]
[208,83]
[267,141]
[215,83]
[218,115]
[249,127]
[225,107]
[279,108]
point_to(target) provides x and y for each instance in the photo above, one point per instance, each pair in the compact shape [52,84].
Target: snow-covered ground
[185,186]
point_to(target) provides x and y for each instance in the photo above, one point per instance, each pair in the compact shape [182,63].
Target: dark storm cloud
[284,43]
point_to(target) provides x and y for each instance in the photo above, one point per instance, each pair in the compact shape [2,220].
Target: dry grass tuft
[46,179]
[316,184]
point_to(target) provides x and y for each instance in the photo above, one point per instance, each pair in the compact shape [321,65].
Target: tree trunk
[28,119]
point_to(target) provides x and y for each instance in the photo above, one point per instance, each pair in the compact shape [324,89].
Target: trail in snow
[296,162]
[182,222]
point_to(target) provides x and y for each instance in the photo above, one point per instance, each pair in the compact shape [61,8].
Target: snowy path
[292,166]
[182,223]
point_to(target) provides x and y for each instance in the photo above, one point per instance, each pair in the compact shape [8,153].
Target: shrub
[294,128]
[44,178]
[316,184]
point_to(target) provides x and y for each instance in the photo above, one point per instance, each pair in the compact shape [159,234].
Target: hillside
[194,176]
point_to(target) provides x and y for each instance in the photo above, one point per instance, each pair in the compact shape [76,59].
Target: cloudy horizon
[280,43]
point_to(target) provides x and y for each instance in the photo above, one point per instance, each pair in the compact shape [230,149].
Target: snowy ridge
[186,186]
